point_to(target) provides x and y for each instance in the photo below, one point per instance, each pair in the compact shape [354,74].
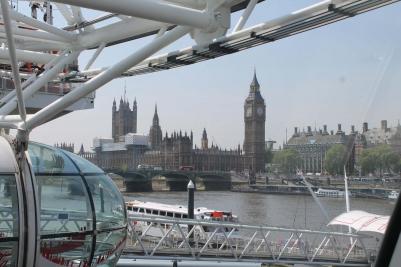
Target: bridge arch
[177,181]
[136,181]
[214,181]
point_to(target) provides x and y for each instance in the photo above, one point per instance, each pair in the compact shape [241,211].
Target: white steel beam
[41,81]
[12,118]
[119,31]
[8,125]
[66,13]
[268,25]
[148,9]
[90,23]
[28,56]
[116,70]
[43,26]
[38,35]
[161,31]
[278,22]
[244,17]
[95,55]
[77,14]
[35,45]
[13,57]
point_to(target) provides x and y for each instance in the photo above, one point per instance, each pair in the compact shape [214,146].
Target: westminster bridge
[144,180]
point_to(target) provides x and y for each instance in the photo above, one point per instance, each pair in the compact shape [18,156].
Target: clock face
[249,112]
[260,111]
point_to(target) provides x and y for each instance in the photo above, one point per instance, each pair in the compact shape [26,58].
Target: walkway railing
[153,237]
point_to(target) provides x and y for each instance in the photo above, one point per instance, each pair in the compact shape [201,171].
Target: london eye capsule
[57,209]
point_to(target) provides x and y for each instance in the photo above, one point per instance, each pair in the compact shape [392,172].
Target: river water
[270,210]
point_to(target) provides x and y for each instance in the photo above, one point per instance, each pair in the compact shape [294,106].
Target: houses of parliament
[127,149]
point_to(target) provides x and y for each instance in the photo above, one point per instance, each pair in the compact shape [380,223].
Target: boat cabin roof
[328,190]
[170,208]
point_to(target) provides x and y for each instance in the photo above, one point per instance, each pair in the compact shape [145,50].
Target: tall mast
[347,206]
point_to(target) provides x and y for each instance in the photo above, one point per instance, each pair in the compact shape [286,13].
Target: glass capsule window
[83,220]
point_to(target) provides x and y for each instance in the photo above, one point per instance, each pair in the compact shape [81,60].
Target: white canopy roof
[362,221]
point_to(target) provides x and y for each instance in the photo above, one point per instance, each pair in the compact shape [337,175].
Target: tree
[287,159]
[388,158]
[380,159]
[397,167]
[269,156]
[336,158]
[124,167]
[369,161]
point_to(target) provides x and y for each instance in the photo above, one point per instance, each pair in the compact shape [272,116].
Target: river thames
[294,211]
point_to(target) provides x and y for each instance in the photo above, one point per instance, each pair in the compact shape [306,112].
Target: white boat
[393,195]
[136,207]
[330,193]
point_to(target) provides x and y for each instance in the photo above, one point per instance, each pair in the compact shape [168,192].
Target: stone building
[155,133]
[174,152]
[204,141]
[214,158]
[66,146]
[312,147]
[127,149]
[178,151]
[254,118]
[123,155]
[383,135]
[124,120]
[359,146]
[395,140]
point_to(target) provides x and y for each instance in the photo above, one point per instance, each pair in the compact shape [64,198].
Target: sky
[348,72]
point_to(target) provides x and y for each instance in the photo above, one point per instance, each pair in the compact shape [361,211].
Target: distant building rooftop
[382,135]
[108,144]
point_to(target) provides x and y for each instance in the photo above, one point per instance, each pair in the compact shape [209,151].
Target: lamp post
[191,193]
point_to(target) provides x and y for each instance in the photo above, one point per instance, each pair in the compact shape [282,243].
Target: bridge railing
[155,237]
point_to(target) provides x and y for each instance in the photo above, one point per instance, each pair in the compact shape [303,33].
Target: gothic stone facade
[254,118]
[155,133]
[124,120]
[122,159]
[176,150]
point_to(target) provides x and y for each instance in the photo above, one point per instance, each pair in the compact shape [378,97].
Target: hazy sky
[348,72]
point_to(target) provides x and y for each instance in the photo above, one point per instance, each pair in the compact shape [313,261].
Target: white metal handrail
[252,243]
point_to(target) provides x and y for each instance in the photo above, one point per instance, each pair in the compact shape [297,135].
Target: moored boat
[162,210]
[330,193]
[393,195]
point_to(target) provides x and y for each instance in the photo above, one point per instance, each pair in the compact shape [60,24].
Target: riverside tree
[287,159]
[336,158]
[269,156]
[380,159]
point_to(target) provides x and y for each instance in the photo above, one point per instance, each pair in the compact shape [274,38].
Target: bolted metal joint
[219,22]
[22,139]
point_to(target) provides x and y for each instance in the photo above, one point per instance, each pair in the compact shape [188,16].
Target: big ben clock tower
[255,118]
